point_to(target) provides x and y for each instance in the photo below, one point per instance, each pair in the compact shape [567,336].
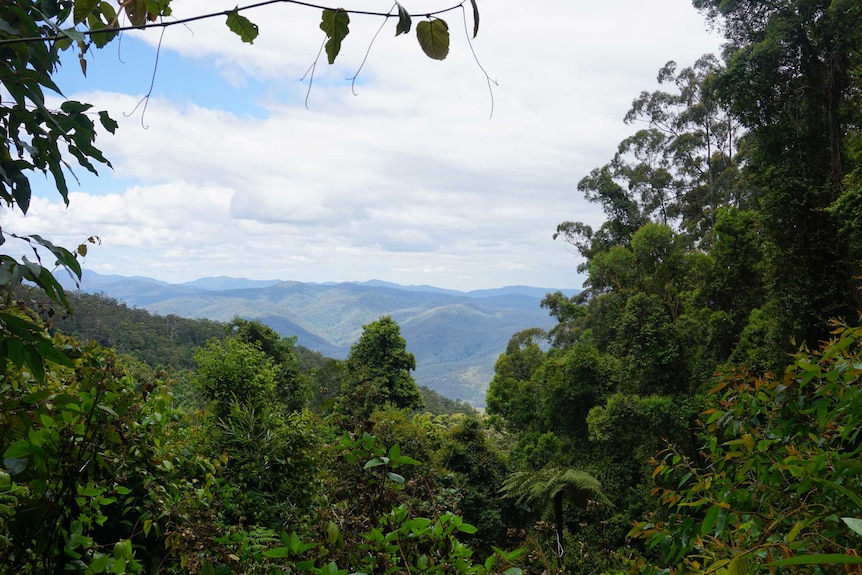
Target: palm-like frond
[540,488]
[548,488]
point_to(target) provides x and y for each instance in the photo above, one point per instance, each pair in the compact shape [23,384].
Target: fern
[546,490]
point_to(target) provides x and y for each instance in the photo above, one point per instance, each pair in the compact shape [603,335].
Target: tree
[678,171]
[480,469]
[792,79]
[291,387]
[512,393]
[377,371]
[572,381]
[234,372]
[691,143]
[566,310]
[268,445]
[548,488]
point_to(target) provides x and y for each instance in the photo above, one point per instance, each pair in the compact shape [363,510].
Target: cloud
[410,181]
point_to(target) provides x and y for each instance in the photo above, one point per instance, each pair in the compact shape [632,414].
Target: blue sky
[409,181]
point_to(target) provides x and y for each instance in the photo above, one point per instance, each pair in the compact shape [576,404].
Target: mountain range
[456,336]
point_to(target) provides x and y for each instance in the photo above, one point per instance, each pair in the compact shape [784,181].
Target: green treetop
[377,371]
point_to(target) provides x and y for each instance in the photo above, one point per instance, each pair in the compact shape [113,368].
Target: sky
[417,173]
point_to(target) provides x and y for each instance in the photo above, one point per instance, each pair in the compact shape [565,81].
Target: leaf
[103,37]
[467,528]
[15,465]
[109,13]
[791,535]
[107,122]
[107,409]
[332,532]
[64,257]
[277,553]
[50,8]
[242,26]
[736,567]
[818,559]
[843,490]
[404,22]
[336,25]
[136,10]
[377,461]
[854,524]
[21,192]
[710,520]
[395,451]
[475,18]
[417,525]
[100,563]
[433,36]
[83,9]
[18,450]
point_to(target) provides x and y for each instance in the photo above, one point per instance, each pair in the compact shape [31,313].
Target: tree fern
[545,490]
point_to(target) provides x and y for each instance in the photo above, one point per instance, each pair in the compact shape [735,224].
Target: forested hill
[169,342]
[455,336]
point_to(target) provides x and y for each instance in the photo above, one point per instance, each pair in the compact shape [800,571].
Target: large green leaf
[433,36]
[854,524]
[83,9]
[277,553]
[100,20]
[19,449]
[819,559]
[336,25]
[242,26]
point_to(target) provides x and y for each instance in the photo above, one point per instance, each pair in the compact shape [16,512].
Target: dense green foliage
[696,410]
[777,482]
[730,243]
[377,371]
[105,472]
[164,342]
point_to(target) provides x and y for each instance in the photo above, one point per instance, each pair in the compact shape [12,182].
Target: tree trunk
[558,522]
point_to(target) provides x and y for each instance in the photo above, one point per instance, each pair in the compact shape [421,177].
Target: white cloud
[408,182]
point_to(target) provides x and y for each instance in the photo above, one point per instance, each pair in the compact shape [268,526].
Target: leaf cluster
[778,479]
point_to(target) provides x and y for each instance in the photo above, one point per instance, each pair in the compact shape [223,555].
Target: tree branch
[166,24]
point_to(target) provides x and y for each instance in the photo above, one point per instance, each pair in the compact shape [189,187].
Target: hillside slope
[456,336]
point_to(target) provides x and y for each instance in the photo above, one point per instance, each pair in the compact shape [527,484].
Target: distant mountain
[137,291]
[456,336]
[529,291]
[225,282]
[422,288]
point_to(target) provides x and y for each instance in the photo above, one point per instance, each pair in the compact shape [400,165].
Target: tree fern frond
[542,486]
